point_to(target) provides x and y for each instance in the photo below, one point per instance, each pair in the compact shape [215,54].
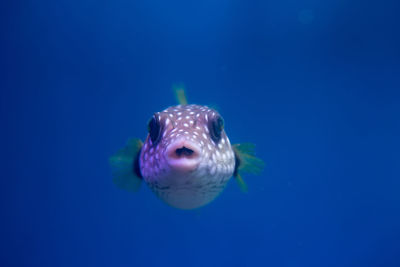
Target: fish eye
[154,128]
[216,126]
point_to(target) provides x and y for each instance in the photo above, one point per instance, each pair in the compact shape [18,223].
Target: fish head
[187,158]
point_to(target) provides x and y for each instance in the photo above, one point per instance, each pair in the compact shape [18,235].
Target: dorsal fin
[246,161]
[180,95]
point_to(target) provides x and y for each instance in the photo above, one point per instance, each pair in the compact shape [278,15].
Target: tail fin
[125,166]
[246,161]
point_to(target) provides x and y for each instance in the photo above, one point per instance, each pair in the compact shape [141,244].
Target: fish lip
[186,162]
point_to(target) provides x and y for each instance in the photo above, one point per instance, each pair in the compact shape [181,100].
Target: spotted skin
[189,124]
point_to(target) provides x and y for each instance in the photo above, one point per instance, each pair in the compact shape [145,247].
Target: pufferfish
[186,159]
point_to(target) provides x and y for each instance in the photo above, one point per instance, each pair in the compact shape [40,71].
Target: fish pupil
[216,127]
[154,128]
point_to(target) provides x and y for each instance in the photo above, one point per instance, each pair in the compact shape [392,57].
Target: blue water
[314,84]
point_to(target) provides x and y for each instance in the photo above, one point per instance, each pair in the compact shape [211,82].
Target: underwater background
[314,84]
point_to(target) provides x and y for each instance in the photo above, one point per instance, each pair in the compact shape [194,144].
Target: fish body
[190,159]
[186,159]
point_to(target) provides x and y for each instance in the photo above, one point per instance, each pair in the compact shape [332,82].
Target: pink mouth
[183,155]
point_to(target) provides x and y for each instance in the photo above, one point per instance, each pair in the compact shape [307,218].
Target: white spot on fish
[227,141]
[212,170]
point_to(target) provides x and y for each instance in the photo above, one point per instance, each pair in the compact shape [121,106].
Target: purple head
[187,158]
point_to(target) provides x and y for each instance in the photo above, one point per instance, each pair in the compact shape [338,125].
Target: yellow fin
[124,165]
[180,95]
[241,183]
[246,161]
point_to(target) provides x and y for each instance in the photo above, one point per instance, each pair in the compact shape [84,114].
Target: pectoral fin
[242,185]
[246,161]
[125,166]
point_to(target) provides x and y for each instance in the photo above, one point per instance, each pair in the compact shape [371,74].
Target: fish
[186,159]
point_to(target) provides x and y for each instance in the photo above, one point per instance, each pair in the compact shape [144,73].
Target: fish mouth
[183,155]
